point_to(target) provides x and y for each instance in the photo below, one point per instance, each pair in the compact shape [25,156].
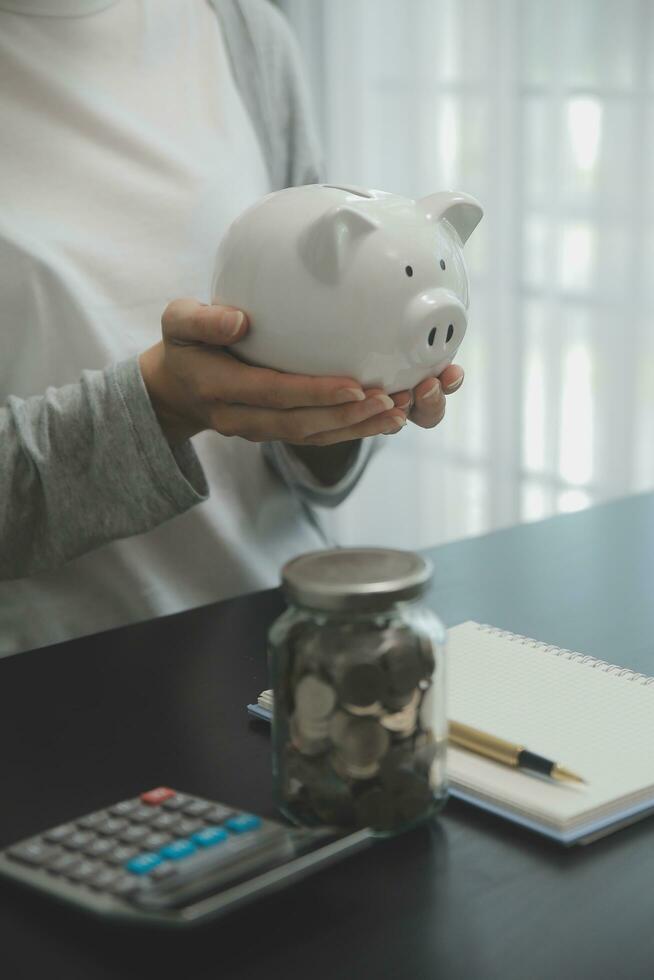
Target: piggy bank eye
[443,264]
[409,271]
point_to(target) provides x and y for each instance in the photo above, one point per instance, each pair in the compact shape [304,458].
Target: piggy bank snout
[438,324]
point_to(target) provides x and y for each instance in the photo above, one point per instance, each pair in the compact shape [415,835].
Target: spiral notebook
[593,717]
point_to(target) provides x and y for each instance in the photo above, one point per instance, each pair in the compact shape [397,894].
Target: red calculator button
[156,796]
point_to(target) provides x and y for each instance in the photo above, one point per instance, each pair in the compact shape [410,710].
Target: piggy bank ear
[462,211]
[328,241]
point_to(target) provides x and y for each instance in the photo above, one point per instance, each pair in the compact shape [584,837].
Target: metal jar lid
[356,579]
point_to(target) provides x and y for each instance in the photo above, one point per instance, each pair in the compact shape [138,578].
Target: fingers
[185,321]
[429,406]
[451,378]
[390,424]
[429,397]
[403,400]
[311,426]
[276,389]
[224,378]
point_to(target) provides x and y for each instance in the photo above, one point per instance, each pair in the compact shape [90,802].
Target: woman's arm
[86,464]
[109,457]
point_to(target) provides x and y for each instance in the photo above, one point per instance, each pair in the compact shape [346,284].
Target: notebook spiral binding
[580,658]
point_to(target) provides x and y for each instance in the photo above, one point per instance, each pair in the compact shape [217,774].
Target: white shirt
[126,152]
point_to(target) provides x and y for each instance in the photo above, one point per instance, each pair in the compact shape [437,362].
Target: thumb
[186,321]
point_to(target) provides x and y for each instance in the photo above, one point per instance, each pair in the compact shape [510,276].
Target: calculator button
[176,802]
[58,834]
[91,821]
[111,826]
[210,836]
[143,863]
[103,878]
[121,854]
[33,852]
[83,870]
[187,827]
[166,821]
[57,852]
[142,814]
[163,870]
[218,813]
[79,840]
[154,842]
[156,796]
[64,863]
[243,822]
[99,847]
[123,808]
[133,834]
[197,808]
[177,850]
[124,885]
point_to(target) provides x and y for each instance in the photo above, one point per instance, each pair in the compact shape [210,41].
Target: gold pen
[507,752]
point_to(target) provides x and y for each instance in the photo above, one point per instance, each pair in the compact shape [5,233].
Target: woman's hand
[195,384]
[425,405]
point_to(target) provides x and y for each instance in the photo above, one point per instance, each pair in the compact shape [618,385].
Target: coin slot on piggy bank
[358,673]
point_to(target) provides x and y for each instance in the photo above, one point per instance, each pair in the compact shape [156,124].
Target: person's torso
[127,152]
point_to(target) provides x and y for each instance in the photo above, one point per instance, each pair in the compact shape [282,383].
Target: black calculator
[170,858]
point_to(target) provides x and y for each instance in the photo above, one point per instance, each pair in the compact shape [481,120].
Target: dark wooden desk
[98,719]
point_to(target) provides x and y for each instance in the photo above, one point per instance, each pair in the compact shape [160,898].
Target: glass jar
[358,674]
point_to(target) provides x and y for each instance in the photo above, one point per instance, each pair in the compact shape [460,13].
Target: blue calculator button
[178,849]
[142,863]
[209,836]
[243,822]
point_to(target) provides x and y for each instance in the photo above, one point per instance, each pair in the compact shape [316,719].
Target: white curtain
[542,110]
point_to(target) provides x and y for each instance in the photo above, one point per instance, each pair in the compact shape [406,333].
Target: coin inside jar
[314,698]
[405,669]
[411,793]
[362,743]
[309,740]
[337,726]
[337,810]
[350,771]
[403,722]
[375,808]
[375,710]
[362,685]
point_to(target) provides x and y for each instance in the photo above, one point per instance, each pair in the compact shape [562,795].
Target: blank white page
[593,721]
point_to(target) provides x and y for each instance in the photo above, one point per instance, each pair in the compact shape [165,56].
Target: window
[544,112]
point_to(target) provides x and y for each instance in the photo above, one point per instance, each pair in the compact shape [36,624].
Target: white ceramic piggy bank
[350,282]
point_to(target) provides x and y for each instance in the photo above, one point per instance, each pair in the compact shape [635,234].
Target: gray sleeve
[86,464]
